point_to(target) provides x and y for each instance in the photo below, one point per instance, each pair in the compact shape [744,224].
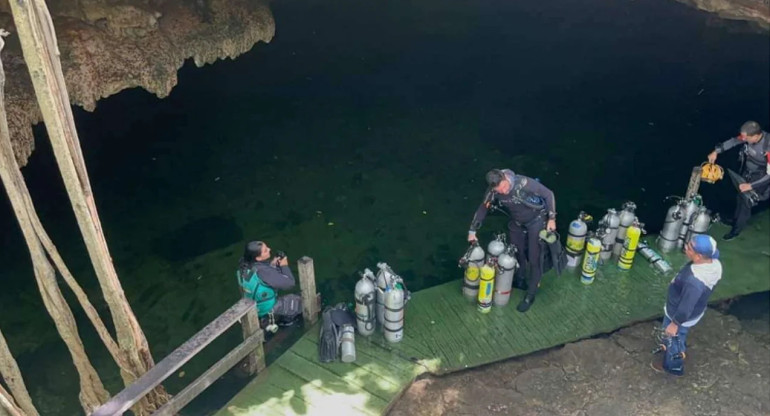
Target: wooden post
[255,361]
[694,184]
[310,303]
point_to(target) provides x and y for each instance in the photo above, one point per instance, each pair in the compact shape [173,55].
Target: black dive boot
[526,303]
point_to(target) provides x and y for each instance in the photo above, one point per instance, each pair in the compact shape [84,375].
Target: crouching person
[687,298]
[260,276]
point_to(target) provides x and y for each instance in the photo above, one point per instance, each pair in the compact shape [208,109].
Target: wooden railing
[250,350]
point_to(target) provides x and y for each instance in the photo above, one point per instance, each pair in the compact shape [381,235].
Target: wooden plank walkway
[445,333]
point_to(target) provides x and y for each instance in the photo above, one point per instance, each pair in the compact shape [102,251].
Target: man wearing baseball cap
[689,291]
[754,171]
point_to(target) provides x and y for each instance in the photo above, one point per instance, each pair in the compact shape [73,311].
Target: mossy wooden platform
[445,333]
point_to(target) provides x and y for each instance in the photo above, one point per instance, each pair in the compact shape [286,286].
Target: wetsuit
[754,171]
[529,203]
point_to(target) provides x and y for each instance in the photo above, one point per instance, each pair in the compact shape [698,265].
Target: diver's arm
[764,180]
[727,145]
[478,218]
[277,277]
[481,213]
[541,190]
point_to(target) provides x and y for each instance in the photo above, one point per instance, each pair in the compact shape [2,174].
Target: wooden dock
[445,333]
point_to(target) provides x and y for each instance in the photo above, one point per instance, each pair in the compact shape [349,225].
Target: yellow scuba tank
[628,252]
[471,279]
[471,261]
[486,287]
[711,172]
[576,238]
[591,260]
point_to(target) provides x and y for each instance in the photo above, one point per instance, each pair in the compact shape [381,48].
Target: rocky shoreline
[727,373]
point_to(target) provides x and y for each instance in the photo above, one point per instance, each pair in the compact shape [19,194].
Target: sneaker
[657,365]
[525,303]
[730,236]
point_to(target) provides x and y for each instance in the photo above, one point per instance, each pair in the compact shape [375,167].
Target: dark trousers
[528,250]
[742,206]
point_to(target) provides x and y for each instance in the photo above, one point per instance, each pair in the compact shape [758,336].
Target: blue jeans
[682,332]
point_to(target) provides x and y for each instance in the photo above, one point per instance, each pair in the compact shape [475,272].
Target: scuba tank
[576,238]
[591,259]
[392,291]
[472,262]
[630,244]
[611,222]
[384,279]
[506,266]
[393,327]
[654,258]
[496,247]
[691,206]
[366,299]
[348,344]
[669,235]
[486,285]
[626,219]
[701,222]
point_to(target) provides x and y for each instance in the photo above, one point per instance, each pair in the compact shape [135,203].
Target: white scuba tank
[669,235]
[395,300]
[701,222]
[392,291]
[366,300]
[690,208]
[347,344]
[654,258]
[611,222]
[506,267]
[627,217]
[384,280]
[496,246]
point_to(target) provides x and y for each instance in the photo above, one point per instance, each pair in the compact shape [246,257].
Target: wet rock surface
[727,373]
[107,46]
[757,11]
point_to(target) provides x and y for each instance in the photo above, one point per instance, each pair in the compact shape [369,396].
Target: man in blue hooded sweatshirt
[689,291]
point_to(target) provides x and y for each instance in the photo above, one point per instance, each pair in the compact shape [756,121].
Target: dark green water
[362,134]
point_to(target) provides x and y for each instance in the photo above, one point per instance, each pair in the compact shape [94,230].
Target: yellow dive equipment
[711,172]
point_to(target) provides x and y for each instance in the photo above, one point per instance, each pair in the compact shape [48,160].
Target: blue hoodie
[689,292]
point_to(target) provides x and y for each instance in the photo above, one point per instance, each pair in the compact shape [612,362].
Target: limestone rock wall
[110,45]
[757,11]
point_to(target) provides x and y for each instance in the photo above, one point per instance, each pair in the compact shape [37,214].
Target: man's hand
[472,238]
[672,329]
[281,261]
[745,187]
[712,157]
[551,225]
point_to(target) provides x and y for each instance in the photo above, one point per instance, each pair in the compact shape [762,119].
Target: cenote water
[362,133]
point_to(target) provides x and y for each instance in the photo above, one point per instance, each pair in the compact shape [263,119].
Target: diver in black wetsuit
[755,160]
[531,207]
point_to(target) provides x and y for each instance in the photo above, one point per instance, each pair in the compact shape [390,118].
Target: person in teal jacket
[261,275]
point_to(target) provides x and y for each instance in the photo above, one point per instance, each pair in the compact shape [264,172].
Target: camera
[279,255]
